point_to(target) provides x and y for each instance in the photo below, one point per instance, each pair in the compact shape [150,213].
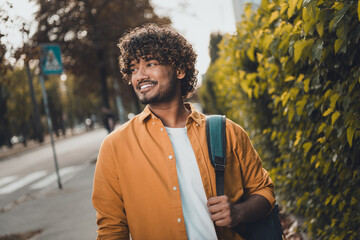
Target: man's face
[154,82]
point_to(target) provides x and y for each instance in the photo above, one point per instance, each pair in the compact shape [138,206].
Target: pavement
[53,213]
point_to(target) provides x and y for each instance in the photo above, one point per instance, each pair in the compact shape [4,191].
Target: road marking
[6,180]
[22,182]
[52,177]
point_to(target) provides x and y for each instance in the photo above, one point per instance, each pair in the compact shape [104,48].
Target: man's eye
[152,64]
[132,69]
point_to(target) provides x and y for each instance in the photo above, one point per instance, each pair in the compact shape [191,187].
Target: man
[153,178]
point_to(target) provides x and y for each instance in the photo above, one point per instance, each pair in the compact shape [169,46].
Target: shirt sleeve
[107,197]
[256,179]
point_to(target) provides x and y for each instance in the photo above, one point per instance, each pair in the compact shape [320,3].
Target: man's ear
[180,73]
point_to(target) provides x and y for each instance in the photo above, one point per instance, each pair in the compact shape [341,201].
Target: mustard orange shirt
[136,188]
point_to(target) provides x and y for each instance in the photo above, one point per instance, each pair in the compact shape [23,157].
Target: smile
[144,87]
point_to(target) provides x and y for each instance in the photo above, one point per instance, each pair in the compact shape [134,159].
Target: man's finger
[216,200]
[218,216]
[222,206]
[226,222]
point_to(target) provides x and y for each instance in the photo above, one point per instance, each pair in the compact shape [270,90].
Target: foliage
[88,31]
[207,95]
[291,73]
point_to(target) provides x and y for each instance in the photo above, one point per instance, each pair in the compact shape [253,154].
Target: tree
[5,133]
[88,31]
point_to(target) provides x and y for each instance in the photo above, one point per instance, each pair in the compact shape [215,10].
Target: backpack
[267,228]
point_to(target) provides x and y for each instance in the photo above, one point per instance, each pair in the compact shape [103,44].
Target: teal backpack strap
[216,139]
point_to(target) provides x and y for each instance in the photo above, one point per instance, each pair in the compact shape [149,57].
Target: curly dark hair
[163,44]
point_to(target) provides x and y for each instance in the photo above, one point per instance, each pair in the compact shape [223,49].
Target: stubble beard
[164,95]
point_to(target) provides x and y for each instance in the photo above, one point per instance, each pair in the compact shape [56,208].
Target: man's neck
[172,114]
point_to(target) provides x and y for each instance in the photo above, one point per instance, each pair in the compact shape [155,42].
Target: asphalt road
[31,200]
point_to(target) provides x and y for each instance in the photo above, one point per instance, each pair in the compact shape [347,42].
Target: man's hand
[226,214]
[222,211]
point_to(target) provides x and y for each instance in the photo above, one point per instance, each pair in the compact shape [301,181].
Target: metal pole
[37,122]
[50,127]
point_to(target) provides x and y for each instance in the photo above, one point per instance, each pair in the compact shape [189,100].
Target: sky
[194,19]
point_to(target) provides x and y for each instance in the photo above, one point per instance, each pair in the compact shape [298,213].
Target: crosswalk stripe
[6,180]
[22,182]
[52,177]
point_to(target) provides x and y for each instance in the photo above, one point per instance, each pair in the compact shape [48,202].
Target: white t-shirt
[198,223]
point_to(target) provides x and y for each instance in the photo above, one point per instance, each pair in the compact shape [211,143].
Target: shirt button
[153,122]
[161,129]
[197,124]
[179,220]
[170,157]
[174,188]
[153,117]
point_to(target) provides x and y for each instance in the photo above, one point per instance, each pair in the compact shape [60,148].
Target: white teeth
[145,86]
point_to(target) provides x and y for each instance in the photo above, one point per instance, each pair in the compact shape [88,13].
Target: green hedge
[291,76]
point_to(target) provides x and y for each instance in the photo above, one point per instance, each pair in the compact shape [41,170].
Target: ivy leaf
[333,100]
[291,9]
[321,127]
[306,147]
[327,112]
[350,134]
[317,50]
[338,17]
[334,117]
[301,47]
[298,137]
[328,199]
[306,84]
[358,10]
[300,106]
[274,15]
[338,44]
[289,78]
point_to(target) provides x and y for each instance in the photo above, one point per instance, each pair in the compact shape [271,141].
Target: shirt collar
[195,115]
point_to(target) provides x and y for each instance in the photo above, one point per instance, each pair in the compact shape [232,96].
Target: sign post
[50,63]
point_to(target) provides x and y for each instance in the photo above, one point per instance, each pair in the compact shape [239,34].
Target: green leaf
[301,47]
[338,44]
[321,23]
[289,78]
[350,134]
[250,54]
[342,31]
[300,106]
[358,10]
[334,117]
[298,137]
[342,205]
[328,200]
[333,100]
[306,84]
[306,146]
[327,112]
[291,9]
[338,17]
[274,15]
[321,128]
[317,50]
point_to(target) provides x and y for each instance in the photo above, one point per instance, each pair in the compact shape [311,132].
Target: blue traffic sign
[50,60]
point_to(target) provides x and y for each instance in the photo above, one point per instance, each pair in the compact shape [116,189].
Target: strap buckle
[219,167]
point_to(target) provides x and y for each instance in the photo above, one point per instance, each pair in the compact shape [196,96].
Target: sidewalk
[55,214]
[19,148]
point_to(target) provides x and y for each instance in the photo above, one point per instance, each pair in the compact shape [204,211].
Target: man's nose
[142,74]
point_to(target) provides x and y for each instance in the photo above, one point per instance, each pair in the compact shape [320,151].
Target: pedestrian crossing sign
[50,59]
